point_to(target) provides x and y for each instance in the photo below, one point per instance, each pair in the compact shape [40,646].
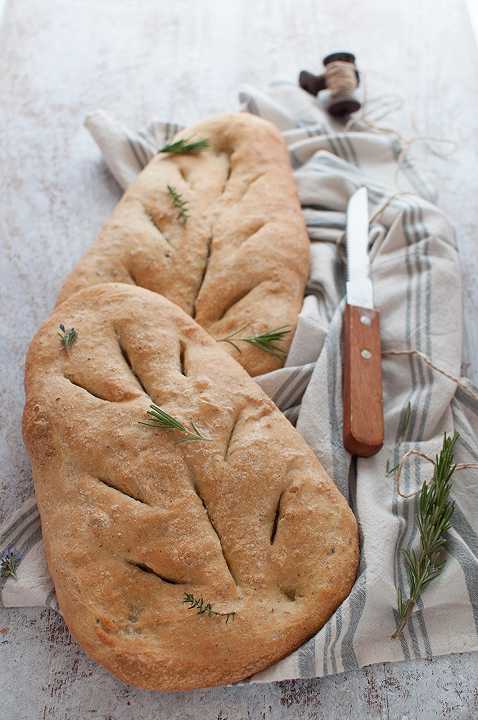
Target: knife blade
[362,360]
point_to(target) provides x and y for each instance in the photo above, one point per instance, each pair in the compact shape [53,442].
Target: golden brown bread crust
[242,258]
[132,520]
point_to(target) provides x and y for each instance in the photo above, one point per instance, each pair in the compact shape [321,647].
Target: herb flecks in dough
[9,563]
[434,513]
[162,420]
[179,203]
[181,147]
[264,341]
[67,336]
[205,608]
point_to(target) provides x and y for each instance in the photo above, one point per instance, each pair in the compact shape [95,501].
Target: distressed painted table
[182,60]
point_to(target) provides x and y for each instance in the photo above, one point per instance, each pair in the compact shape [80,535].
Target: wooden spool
[337,104]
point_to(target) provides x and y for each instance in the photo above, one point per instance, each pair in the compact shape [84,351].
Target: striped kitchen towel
[418,290]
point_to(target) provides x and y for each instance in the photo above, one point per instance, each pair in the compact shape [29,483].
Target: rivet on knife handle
[362,382]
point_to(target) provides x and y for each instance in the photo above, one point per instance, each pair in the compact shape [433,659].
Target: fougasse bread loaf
[219,231]
[185,557]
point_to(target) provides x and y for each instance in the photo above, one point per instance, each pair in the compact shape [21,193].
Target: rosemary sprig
[264,341]
[68,337]
[180,203]
[9,563]
[180,147]
[434,513]
[161,419]
[205,608]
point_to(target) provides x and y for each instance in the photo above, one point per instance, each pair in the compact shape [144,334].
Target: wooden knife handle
[362,382]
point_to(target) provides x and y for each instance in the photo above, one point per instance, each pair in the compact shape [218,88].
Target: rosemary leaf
[162,420]
[9,563]
[389,470]
[405,422]
[205,608]
[434,513]
[228,340]
[264,341]
[179,203]
[180,147]
[67,336]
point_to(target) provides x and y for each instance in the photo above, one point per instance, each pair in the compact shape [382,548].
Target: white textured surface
[473,11]
[182,60]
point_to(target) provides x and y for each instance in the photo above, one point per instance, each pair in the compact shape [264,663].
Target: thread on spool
[341,77]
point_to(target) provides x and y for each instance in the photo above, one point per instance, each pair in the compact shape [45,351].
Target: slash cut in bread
[235,258]
[135,522]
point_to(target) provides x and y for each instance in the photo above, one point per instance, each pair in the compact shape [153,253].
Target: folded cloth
[418,291]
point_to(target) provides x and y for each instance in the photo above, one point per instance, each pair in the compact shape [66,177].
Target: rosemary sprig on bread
[182,147]
[68,336]
[434,513]
[266,341]
[205,608]
[179,203]
[162,420]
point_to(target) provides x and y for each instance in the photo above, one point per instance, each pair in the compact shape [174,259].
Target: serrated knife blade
[362,359]
[359,284]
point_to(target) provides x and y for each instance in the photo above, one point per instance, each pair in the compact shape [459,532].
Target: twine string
[424,358]
[398,468]
[385,204]
[364,120]
[398,471]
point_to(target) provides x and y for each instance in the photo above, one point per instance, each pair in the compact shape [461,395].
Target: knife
[362,360]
